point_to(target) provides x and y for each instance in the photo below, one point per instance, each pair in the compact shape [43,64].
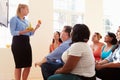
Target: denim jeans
[49,68]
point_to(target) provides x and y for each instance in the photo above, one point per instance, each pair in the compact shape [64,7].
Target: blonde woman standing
[21,47]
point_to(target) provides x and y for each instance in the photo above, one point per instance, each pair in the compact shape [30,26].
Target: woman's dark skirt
[22,52]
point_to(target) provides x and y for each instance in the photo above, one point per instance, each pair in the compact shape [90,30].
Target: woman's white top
[86,64]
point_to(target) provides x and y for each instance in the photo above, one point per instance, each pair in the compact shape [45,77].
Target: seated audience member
[109,68]
[56,41]
[52,61]
[111,41]
[97,46]
[79,62]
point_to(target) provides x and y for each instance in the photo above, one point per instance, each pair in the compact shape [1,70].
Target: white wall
[6,64]
[94,16]
[40,9]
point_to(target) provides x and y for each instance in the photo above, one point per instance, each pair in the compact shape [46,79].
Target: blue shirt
[55,56]
[105,54]
[16,25]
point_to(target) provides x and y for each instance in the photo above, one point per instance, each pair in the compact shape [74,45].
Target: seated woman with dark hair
[56,41]
[109,68]
[79,62]
[111,41]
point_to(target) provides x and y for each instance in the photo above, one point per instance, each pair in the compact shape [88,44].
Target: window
[68,12]
[111,15]
[5,36]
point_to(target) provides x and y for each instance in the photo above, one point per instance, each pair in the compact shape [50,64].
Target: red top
[52,47]
[97,53]
[97,49]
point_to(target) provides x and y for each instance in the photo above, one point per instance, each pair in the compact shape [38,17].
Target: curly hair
[80,33]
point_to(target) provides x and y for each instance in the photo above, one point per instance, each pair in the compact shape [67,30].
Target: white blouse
[86,64]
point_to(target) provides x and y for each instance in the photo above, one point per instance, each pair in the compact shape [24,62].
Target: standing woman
[21,47]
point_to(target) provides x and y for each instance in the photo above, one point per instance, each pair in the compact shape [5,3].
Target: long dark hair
[113,36]
[116,46]
[59,37]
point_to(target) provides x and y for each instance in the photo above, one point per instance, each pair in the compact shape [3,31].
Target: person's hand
[96,62]
[38,24]
[29,28]
[44,60]
[98,66]
[38,64]
[58,71]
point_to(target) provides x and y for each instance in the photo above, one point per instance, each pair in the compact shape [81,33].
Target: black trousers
[88,78]
[108,74]
[48,69]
